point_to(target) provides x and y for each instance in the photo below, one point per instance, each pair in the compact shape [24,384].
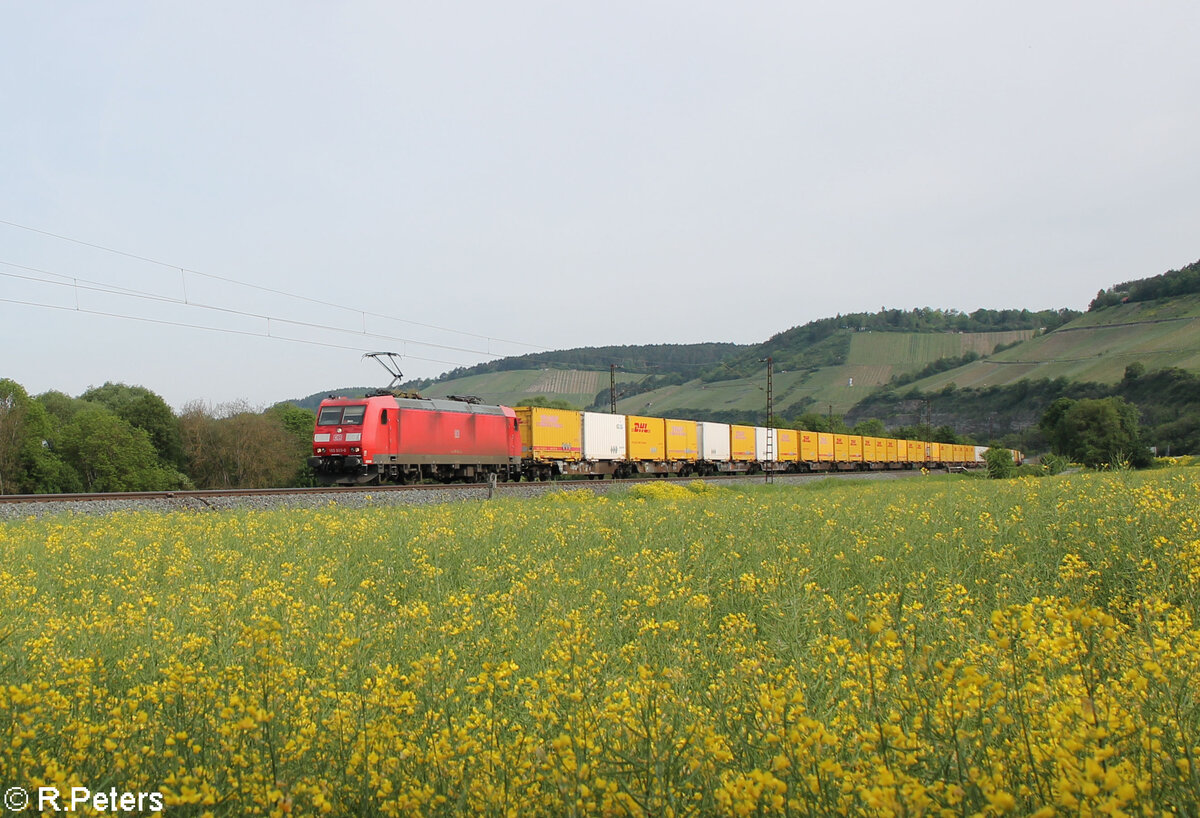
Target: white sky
[563,175]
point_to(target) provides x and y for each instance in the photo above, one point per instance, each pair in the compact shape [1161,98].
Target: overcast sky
[457,180]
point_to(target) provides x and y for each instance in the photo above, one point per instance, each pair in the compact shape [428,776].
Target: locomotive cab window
[341,415]
[383,418]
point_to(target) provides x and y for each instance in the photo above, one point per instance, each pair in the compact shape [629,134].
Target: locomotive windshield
[342,415]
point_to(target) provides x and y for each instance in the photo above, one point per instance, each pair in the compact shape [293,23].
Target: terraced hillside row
[1095,347]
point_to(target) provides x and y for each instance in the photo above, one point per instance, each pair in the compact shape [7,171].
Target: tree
[28,465]
[143,409]
[298,423]
[816,422]
[239,448]
[60,406]
[548,403]
[109,454]
[1096,432]
[871,427]
[918,431]
[1050,423]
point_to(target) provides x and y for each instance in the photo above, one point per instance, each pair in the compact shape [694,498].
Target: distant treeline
[1185,281]
[126,438]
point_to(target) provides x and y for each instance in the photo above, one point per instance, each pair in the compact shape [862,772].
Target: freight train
[401,439]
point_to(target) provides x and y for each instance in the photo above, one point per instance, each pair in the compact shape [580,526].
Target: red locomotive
[397,439]
[400,438]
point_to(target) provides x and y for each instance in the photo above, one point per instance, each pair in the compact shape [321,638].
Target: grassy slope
[1095,347]
[874,358]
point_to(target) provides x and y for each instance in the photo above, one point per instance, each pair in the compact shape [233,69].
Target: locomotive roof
[433,404]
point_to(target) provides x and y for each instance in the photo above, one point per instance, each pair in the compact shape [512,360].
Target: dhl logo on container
[641,427]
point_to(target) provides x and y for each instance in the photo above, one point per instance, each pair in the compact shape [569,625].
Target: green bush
[1054,463]
[1000,463]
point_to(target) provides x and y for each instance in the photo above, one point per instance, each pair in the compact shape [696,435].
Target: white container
[714,440]
[979,450]
[761,436]
[603,436]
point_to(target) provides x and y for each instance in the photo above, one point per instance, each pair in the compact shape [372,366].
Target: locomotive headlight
[355,449]
[320,450]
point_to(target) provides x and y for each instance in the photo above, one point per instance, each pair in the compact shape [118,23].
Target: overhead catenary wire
[124,292]
[88,285]
[78,283]
[322,302]
[225,330]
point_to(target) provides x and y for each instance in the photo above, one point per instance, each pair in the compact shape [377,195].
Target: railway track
[18,506]
[195,494]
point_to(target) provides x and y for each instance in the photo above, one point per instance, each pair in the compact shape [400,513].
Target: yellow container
[869,445]
[741,442]
[915,452]
[550,434]
[854,443]
[893,453]
[789,445]
[880,450]
[841,447]
[683,440]
[824,447]
[646,438]
[808,447]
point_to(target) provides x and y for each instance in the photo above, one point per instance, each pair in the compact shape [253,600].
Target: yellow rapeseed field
[931,646]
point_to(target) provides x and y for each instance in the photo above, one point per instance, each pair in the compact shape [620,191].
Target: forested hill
[644,358]
[1171,284]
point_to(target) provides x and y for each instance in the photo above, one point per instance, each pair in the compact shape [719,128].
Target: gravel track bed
[361,499]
